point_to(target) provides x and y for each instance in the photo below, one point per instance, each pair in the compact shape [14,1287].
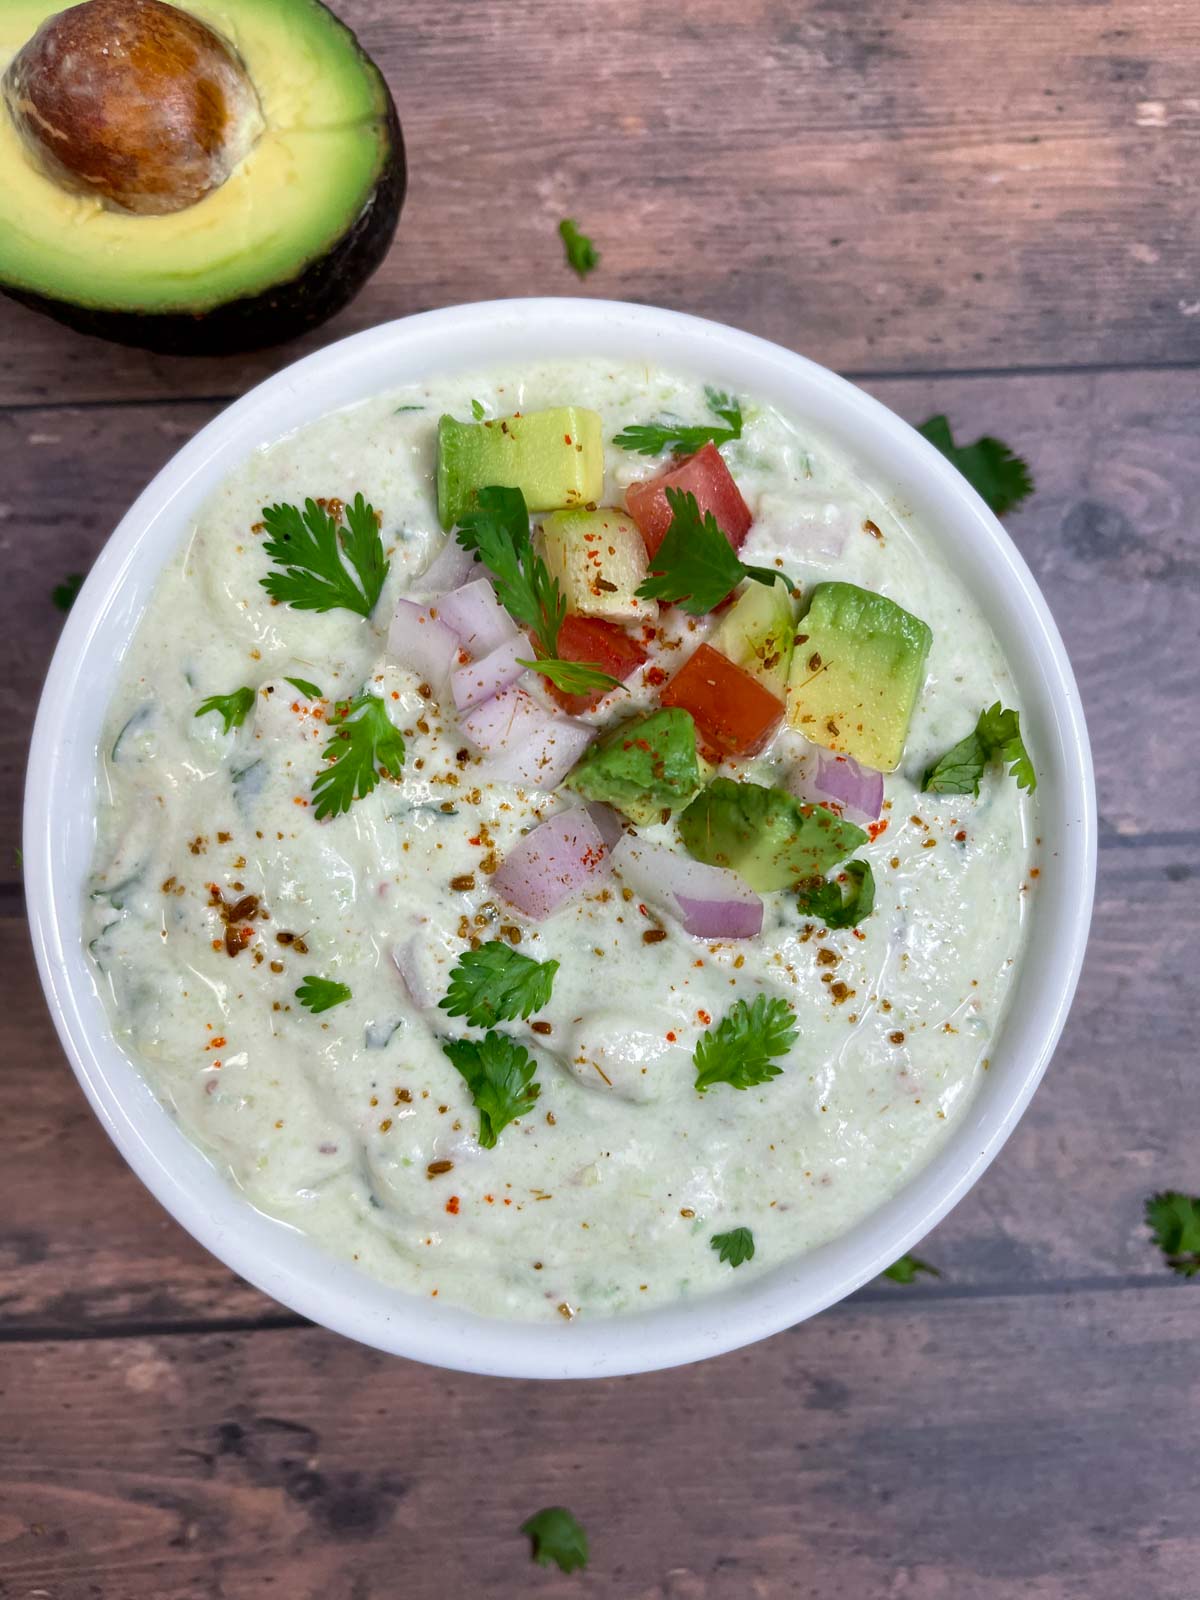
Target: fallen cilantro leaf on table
[906,1269]
[1174,1221]
[232,708]
[582,255]
[1000,478]
[363,745]
[996,737]
[823,898]
[63,594]
[652,438]
[497,984]
[306,688]
[322,994]
[496,530]
[557,1536]
[738,1050]
[499,1073]
[735,1246]
[308,547]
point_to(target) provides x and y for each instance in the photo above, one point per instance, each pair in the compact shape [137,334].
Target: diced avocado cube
[645,767]
[757,631]
[767,836]
[856,673]
[599,559]
[555,458]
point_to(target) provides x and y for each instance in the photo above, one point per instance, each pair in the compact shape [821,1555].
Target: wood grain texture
[1042,1448]
[941,185]
[84,1247]
[1109,535]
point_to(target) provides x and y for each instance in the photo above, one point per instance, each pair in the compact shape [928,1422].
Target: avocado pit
[134,102]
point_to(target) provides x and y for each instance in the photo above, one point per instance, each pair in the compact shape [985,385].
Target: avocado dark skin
[284,311]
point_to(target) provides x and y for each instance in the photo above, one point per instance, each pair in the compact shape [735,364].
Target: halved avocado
[245,196]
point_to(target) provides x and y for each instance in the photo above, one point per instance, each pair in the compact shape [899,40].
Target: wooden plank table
[988,210]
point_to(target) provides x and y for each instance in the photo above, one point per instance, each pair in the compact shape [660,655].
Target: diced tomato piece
[734,714]
[707,477]
[601,644]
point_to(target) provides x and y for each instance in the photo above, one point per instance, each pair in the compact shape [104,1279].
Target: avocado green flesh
[644,767]
[766,836]
[555,457]
[857,671]
[757,634]
[321,171]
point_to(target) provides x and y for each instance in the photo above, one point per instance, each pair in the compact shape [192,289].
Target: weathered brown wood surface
[988,210]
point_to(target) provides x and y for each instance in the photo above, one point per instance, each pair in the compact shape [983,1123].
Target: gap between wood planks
[1067,369]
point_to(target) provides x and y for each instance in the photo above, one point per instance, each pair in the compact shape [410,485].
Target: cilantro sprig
[500,1076]
[824,900]
[906,1269]
[1174,1221]
[322,994]
[652,438]
[695,566]
[1000,478]
[996,737]
[497,984]
[363,746]
[582,255]
[735,1246]
[307,547]
[739,1049]
[233,709]
[556,1535]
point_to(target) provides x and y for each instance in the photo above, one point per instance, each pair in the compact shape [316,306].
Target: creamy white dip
[605,1198]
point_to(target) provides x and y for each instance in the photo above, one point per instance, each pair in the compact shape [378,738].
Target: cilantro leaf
[738,1050]
[364,745]
[308,548]
[63,594]
[906,1269]
[496,529]
[573,677]
[1000,478]
[478,410]
[735,1246]
[1174,1220]
[499,1073]
[497,984]
[823,899]
[557,1536]
[996,737]
[652,438]
[582,255]
[305,688]
[322,994]
[695,565]
[233,708]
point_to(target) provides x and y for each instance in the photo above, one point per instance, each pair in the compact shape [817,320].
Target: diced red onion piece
[479,680]
[406,957]
[527,742]
[451,567]
[418,640]
[558,859]
[476,616]
[612,829]
[710,902]
[822,777]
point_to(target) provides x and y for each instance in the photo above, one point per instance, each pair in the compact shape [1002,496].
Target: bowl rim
[275,1257]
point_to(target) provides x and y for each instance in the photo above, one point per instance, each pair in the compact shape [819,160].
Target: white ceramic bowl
[59,831]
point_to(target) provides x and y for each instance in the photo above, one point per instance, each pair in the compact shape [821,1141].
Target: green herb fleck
[322,994]
[1174,1220]
[582,255]
[735,1246]
[363,747]
[233,708]
[478,410]
[738,1050]
[308,549]
[305,688]
[497,984]
[557,1536]
[499,1073]
[824,899]
[1000,478]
